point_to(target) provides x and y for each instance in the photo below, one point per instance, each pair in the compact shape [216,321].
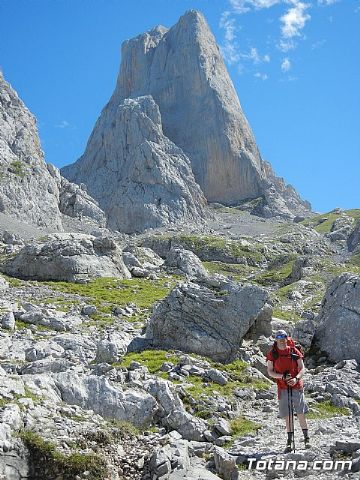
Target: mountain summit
[182,69]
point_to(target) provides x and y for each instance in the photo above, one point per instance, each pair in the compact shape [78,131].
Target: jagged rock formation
[183,70]
[205,320]
[353,241]
[27,190]
[68,257]
[30,190]
[338,323]
[140,178]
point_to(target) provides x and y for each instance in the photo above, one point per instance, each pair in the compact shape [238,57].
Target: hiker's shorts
[298,400]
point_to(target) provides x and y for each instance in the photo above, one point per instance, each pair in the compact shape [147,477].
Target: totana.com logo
[317,465]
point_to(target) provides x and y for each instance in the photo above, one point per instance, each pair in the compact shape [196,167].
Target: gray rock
[223,427]
[8,321]
[353,241]
[46,365]
[216,376]
[225,464]
[3,283]
[27,190]
[74,201]
[210,322]
[141,257]
[173,414]
[30,190]
[304,332]
[109,400]
[111,349]
[338,323]
[186,262]
[151,179]
[68,257]
[89,310]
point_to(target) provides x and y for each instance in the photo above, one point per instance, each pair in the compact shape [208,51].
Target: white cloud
[243,6]
[262,76]
[255,57]
[285,65]
[228,24]
[63,124]
[229,48]
[294,19]
[318,44]
[286,45]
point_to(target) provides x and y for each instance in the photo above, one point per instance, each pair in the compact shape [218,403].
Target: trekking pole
[289,411]
[292,417]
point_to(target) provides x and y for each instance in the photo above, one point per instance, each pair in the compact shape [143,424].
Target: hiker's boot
[288,448]
[306,438]
[289,442]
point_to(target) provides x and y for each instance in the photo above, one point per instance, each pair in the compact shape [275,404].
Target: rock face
[27,190]
[110,401]
[338,331]
[183,71]
[74,201]
[140,178]
[207,321]
[31,190]
[353,241]
[68,257]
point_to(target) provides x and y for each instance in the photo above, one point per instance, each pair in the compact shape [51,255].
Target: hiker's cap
[280,334]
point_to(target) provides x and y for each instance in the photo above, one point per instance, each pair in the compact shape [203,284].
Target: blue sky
[295,65]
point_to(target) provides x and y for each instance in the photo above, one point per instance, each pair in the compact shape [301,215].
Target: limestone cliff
[184,72]
[140,178]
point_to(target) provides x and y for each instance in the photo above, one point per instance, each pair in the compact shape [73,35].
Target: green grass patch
[17,167]
[124,428]
[275,275]
[74,464]
[241,426]
[326,410]
[107,293]
[324,221]
[13,282]
[152,359]
[354,260]
[203,246]
[237,271]
[238,378]
[288,315]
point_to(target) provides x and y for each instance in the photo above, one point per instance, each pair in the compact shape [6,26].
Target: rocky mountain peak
[30,190]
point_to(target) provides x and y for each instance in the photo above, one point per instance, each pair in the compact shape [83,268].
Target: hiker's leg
[302,420]
[289,426]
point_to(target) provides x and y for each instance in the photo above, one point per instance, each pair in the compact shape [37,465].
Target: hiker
[285,364]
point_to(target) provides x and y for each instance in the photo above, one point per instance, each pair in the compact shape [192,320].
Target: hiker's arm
[293,381]
[301,367]
[271,372]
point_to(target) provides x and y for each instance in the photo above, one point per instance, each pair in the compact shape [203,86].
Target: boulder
[186,262]
[140,178]
[338,323]
[68,257]
[225,464]
[107,399]
[8,321]
[3,283]
[112,348]
[206,320]
[172,413]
